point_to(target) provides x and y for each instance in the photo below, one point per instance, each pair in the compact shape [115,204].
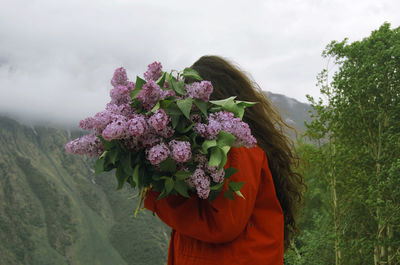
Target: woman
[257,229]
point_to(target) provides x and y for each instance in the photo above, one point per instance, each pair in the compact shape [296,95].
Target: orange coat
[243,231]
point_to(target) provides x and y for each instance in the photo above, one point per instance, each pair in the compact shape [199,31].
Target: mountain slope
[56,212]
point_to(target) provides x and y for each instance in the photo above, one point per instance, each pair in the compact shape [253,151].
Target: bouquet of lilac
[163,132]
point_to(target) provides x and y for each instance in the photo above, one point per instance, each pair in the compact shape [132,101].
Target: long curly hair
[269,129]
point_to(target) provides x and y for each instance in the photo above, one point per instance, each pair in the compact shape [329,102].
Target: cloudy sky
[57,56]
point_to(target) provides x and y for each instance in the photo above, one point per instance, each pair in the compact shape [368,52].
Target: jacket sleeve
[223,219]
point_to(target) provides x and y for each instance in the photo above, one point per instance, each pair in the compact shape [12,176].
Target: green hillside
[55,211]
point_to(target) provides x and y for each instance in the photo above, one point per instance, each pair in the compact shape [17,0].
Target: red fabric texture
[243,231]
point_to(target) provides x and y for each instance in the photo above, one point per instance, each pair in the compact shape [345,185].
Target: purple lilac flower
[137,126]
[159,120]
[130,85]
[201,182]
[201,90]
[131,143]
[120,95]
[88,144]
[201,129]
[102,119]
[195,118]
[167,93]
[153,72]
[167,132]
[116,129]
[235,126]
[150,140]
[120,77]
[180,150]
[150,94]
[123,109]
[213,128]
[218,175]
[201,159]
[158,153]
[87,124]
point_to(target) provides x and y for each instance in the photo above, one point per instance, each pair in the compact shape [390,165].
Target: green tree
[360,124]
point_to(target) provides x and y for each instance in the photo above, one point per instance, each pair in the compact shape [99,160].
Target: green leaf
[179,87]
[230,105]
[239,194]
[175,120]
[139,83]
[182,188]
[202,105]
[217,186]
[134,93]
[138,87]
[135,175]
[230,171]
[169,185]
[121,177]
[99,166]
[215,157]
[185,105]
[108,144]
[163,194]
[226,149]
[126,163]
[182,175]
[229,194]
[235,186]
[213,194]
[168,165]
[113,155]
[172,109]
[245,103]
[161,80]
[208,144]
[225,139]
[156,107]
[191,73]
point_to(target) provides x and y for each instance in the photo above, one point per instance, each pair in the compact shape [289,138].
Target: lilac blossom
[201,90]
[159,120]
[120,77]
[180,150]
[154,71]
[167,93]
[120,95]
[150,94]
[130,85]
[87,124]
[218,176]
[137,125]
[201,182]
[123,109]
[88,144]
[201,129]
[116,129]
[167,132]
[150,140]
[213,128]
[227,122]
[102,119]
[131,143]
[158,153]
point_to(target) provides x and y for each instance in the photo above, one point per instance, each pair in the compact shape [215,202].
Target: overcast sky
[57,56]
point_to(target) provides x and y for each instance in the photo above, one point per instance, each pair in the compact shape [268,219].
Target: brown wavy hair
[269,129]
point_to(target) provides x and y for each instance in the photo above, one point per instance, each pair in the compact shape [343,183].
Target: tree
[360,123]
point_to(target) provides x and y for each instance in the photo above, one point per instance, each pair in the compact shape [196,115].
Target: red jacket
[243,231]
